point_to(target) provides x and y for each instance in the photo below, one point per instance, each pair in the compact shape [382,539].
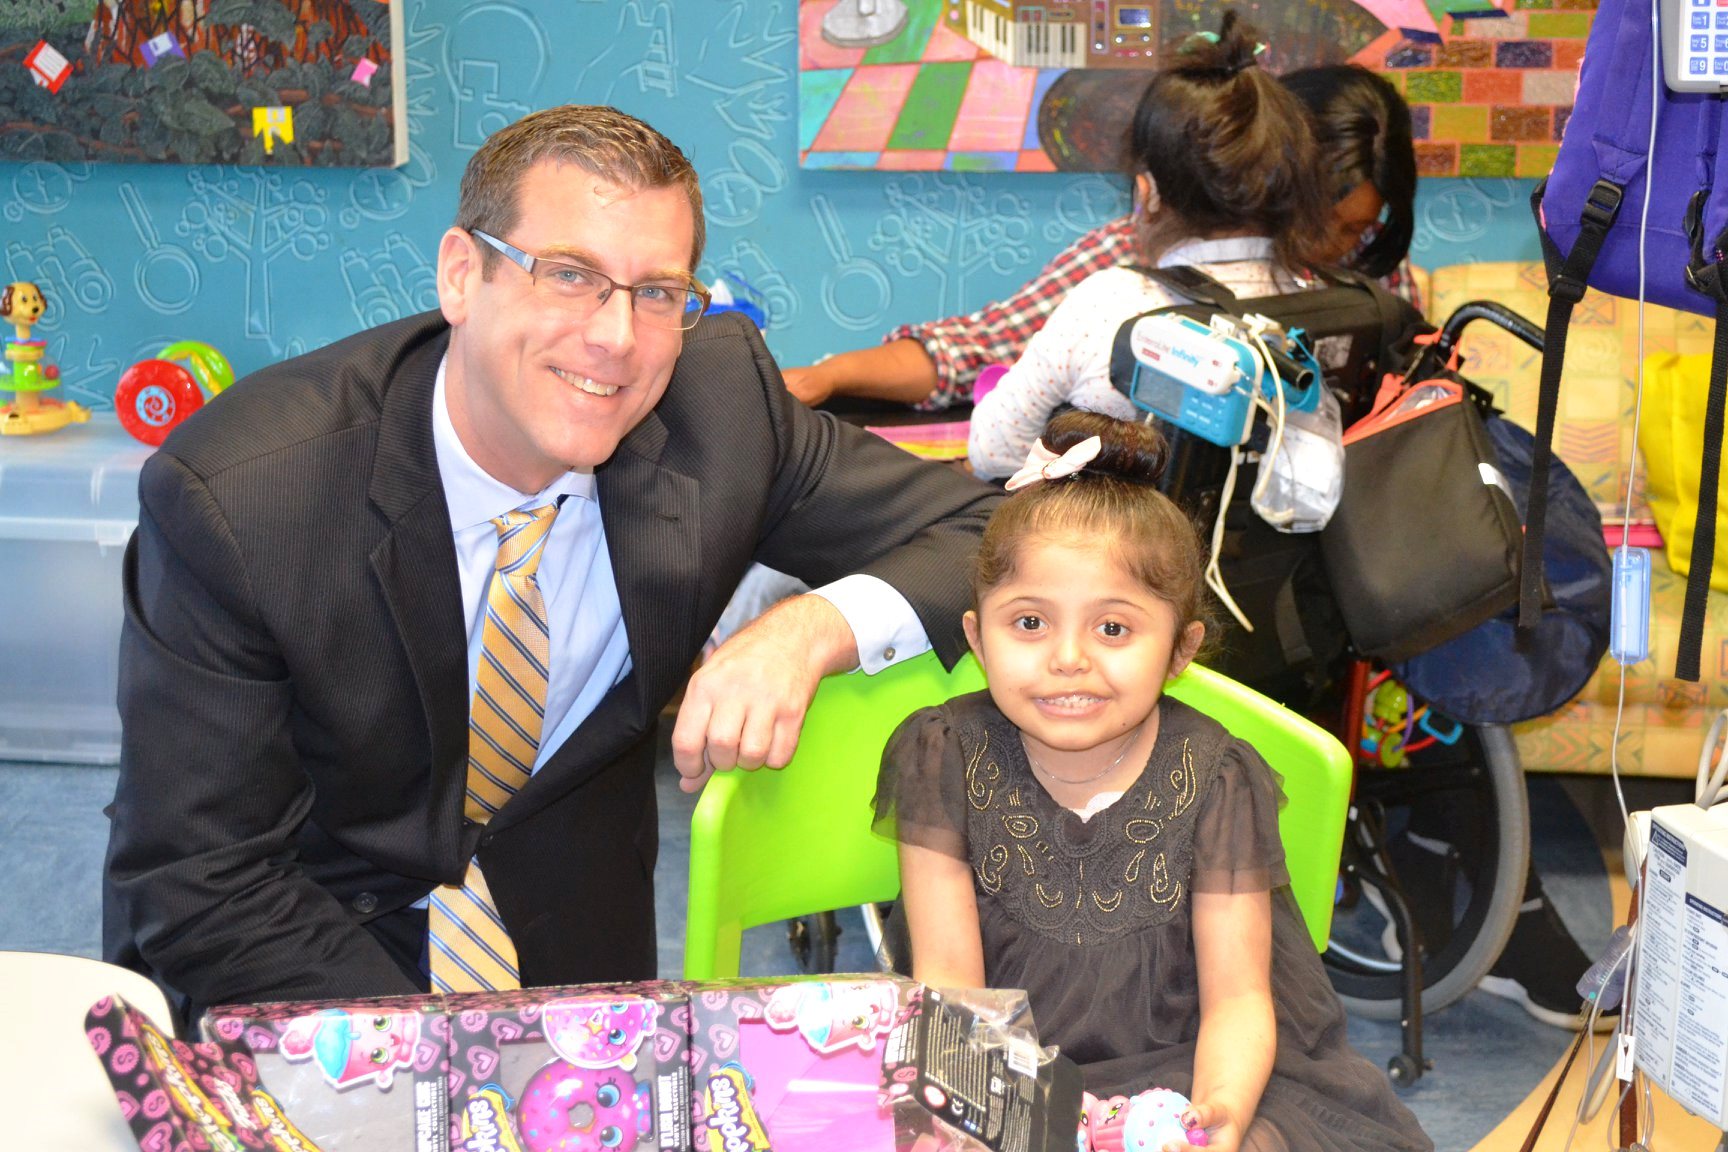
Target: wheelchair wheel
[1452,829]
[815,942]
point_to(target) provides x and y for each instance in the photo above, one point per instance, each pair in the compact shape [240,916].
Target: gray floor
[1487,1053]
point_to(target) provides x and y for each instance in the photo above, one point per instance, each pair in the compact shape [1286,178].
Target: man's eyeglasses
[583,290]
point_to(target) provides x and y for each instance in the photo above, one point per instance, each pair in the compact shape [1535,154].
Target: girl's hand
[1223,1134]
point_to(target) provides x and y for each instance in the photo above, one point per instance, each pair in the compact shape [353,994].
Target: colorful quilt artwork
[1012,86]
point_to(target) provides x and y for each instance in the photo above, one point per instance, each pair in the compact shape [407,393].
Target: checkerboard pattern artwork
[928,100]
[1490,85]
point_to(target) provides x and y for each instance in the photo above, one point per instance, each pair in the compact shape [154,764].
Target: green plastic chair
[769,846]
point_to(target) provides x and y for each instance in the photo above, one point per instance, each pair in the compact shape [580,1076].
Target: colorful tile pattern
[1497,92]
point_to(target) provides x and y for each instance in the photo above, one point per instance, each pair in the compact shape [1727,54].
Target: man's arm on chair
[844,504]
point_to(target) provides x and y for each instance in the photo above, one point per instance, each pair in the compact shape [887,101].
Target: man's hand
[811,386]
[745,706]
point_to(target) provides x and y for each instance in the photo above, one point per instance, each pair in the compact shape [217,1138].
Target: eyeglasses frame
[527,262]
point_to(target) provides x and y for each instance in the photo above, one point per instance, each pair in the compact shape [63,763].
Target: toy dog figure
[24,372]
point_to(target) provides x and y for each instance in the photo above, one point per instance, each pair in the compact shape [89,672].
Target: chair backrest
[767,846]
[53,1091]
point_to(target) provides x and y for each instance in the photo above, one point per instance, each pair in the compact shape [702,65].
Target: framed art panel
[272,82]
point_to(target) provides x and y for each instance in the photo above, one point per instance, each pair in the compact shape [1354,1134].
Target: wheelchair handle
[1499,314]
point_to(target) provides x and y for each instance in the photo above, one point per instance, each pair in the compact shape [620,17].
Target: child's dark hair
[1229,148]
[1363,130]
[1114,499]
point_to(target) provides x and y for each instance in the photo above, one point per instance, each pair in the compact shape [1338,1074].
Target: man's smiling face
[534,389]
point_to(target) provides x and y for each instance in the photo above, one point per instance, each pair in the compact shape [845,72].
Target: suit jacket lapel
[654,538]
[650,513]
[415,564]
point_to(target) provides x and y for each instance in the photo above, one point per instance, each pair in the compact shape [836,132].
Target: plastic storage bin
[68,504]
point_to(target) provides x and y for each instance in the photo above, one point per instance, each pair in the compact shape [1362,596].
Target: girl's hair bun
[1132,451]
[1234,48]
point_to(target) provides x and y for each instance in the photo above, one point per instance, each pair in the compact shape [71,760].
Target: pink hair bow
[1043,464]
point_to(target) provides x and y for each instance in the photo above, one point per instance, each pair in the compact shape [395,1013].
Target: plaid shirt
[963,346]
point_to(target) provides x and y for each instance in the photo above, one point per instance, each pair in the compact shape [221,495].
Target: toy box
[862,1063]
[793,1065]
[964,1069]
[872,1063]
[366,1074]
[598,1068]
[179,1097]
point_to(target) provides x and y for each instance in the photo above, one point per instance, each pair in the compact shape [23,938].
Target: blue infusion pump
[1200,377]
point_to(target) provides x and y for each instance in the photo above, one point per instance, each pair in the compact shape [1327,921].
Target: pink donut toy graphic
[832,1015]
[350,1050]
[565,1108]
[598,1034]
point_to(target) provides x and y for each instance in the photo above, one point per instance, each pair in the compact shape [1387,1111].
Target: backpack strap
[1708,276]
[1567,279]
[1610,136]
[1192,283]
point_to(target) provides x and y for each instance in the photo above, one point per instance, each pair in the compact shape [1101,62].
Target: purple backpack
[1591,211]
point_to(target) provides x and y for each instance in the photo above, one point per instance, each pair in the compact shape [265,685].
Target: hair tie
[1240,66]
[1228,69]
[1043,464]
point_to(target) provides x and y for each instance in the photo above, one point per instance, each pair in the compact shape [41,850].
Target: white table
[53,1092]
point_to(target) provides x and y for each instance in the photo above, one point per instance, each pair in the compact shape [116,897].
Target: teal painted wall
[268,263]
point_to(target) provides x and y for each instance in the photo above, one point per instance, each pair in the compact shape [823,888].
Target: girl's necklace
[1114,764]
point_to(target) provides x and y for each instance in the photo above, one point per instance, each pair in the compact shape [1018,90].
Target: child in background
[1228,183]
[1075,833]
[1367,161]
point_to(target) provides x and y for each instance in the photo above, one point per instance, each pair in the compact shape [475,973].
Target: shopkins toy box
[963,1070]
[179,1097]
[793,1065]
[363,1074]
[596,1068]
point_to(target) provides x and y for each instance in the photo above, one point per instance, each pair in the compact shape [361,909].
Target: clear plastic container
[68,505]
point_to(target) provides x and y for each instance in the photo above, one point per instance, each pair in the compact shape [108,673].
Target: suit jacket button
[365,903]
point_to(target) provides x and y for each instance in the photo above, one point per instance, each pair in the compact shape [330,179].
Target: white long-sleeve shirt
[1068,360]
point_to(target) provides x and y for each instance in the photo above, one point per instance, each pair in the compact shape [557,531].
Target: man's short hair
[611,144]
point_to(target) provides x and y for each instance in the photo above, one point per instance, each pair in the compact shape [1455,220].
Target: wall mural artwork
[1013,86]
[267,82]
[263,263]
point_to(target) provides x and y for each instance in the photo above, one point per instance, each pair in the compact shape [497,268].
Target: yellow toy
[24,373]
[1384,721]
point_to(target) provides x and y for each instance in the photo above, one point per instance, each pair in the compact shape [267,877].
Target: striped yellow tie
[470,949]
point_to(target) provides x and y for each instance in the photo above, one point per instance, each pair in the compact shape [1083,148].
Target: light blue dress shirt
[590,652]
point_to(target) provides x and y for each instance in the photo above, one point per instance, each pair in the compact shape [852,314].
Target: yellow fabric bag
[1671,441]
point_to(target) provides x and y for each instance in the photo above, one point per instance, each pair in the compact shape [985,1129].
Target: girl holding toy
[1075,833]
[1227,182]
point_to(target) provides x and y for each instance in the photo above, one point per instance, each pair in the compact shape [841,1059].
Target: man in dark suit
[312,605]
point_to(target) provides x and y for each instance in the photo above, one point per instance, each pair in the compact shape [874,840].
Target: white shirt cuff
[882,621]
